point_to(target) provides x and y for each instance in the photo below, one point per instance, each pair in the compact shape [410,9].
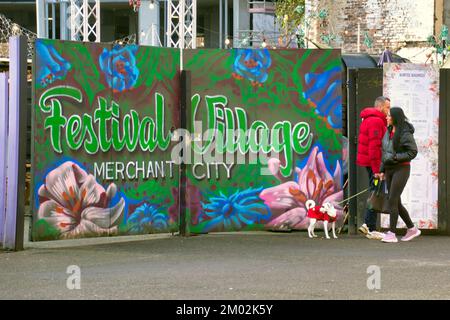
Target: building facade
[402,26]
[367,26]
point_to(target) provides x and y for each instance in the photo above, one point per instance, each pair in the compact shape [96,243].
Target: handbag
[377,199]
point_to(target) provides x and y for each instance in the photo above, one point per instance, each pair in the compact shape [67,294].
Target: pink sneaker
[390,237]
[411,234]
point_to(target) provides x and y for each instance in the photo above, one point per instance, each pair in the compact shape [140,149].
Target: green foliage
[323,14]
[295,23]
[367,40]
[329,38]
[444,32]
[290,14]
[440,44]
[432,41]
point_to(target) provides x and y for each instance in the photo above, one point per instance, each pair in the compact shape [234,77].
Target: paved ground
[259,265]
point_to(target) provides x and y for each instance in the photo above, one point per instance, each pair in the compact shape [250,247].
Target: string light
[15,28]
[264,43]
[227,42]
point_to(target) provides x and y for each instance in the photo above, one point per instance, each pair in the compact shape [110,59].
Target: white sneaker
[375,235]
[363,229]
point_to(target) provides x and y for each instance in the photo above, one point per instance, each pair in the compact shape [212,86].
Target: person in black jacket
[399,148]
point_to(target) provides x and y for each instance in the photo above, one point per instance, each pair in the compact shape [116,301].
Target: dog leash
[365,190]
[361,192]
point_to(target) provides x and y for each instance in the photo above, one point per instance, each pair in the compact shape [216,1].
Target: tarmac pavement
[257,265]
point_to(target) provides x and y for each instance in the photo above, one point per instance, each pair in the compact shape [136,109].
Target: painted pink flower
[75,204]
[287,200]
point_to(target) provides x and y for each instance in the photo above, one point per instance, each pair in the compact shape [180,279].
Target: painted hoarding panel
[415,88]
[285,109]
[102,120]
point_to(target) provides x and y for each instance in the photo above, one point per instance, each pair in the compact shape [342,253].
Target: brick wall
[391,23]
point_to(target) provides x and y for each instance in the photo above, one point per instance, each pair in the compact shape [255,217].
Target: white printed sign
[415,88]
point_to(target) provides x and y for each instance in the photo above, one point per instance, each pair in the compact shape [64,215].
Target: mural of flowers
[236,211]
[72,202]
[119,67]
[147,219]
[252,64]
[323,91]
[314,182]
[51,66]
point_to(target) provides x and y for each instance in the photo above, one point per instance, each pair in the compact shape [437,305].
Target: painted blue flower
[252,64]
[147,218]
[236,211]
[323,90]
[50,64]
[119,67]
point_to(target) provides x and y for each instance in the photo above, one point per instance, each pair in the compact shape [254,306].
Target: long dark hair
[399,121]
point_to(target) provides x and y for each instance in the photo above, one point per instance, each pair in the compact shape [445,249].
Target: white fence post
[16,155]
[3,149]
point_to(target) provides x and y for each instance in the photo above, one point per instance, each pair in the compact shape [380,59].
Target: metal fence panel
[364,86]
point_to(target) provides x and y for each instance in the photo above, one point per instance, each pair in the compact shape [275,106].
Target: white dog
[326,213]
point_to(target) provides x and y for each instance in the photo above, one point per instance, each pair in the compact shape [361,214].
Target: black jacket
[405,151]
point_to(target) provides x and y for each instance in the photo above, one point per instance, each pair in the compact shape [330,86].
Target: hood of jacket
[373,112]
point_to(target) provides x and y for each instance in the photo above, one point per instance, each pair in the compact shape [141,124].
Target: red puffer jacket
[371,132]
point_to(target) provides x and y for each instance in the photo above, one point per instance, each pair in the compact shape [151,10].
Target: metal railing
[261,6]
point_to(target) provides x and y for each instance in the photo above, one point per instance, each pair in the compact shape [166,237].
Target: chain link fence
[9,29]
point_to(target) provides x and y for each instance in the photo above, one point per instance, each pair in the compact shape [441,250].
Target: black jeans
[396,179]
[370,217]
